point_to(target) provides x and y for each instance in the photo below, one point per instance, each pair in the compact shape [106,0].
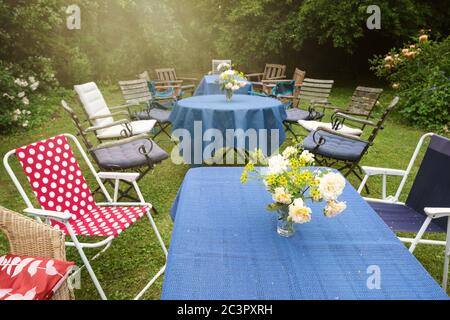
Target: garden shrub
[420,72]
[20,87]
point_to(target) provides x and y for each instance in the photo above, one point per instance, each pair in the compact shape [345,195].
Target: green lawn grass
[135,256]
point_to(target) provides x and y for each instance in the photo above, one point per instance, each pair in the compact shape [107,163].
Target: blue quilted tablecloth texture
[224,247]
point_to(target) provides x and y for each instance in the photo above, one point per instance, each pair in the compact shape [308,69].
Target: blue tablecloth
[209,85]
[224,246]
[242,112]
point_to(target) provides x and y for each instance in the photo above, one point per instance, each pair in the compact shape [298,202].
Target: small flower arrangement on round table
[230,80]
[292,183]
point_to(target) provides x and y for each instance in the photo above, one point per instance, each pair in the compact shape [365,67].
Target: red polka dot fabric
[59,185]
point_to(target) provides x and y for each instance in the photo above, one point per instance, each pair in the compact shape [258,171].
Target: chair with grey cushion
[155,108]
[315,92]
[334,148]
[362,103]
[137,153]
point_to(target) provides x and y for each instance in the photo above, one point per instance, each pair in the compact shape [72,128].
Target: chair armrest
[374,171]
[120,113]
[277,78]
[254,75]
[124,176]
[105,126]
[337,133]
[274,82]
[337,109]
[63,217]
[166,82]
[123,106]
[319,101]
[436,213]
[125,204]
[187,79]
[168,87]
[351,113]
[354,119]
[120,142]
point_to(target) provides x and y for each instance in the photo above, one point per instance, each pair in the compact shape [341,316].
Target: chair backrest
[77,123]
[316,89]
[144,75]
[55,176]
[284,88]
[364,100]
[93,103]
[299,76]
[135,91]
[380,124]
[274,71]
[431,187]
[216,63]
[167,74]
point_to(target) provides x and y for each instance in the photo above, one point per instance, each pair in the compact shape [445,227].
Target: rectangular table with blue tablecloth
[225,246]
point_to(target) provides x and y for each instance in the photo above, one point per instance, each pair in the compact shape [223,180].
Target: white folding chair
[67,202]
[428,202]
[101,118]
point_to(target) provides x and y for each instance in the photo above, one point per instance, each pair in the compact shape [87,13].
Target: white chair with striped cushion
[102,119]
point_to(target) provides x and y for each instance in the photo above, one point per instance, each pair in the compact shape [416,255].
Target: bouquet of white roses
[291,183]
[223,67]
[231,80]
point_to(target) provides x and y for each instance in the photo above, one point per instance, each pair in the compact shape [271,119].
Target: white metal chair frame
[432,213]
[64,218]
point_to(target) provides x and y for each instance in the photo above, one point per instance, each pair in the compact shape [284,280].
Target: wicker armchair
[29,238]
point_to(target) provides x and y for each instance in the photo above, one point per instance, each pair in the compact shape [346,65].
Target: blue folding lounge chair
[335,148]
[428,202]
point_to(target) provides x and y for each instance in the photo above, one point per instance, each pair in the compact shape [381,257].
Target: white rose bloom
[334,208]
[277,164]
[21,94]
[299,213]
[282,196]
[17,111]
[32,79]
[307,156]
[289,152]
[25,101]
[229,86]
[25,124]
[236,87]
[229,72]
[331,186]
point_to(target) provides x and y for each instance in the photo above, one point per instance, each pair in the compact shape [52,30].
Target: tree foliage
[119,38]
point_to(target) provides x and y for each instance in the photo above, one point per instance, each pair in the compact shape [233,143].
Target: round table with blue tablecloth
[210,85]
[204,123]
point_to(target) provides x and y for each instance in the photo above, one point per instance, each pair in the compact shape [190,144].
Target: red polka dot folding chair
[67,202]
